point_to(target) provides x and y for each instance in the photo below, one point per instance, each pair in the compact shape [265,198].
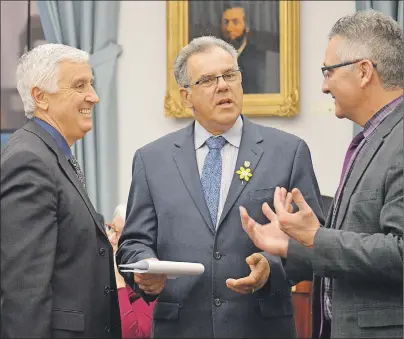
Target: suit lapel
[67,169]
[363,162]
[185,159]
[353,180]
[249,151]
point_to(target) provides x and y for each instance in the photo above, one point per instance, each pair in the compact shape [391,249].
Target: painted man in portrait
[251,60]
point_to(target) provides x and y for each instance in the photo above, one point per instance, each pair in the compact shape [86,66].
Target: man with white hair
[56,260]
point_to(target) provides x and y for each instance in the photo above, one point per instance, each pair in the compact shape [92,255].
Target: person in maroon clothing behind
[136,315]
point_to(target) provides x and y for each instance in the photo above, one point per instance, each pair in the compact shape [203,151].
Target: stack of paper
[173,269]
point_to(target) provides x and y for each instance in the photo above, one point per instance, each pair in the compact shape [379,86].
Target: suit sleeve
[360,256]
[303,178]
[28,245]
[138,240]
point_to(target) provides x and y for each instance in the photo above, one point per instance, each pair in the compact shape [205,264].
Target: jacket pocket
[276,306]
[380,317]
[166,311]
[363,196]
[261,194]
[68,320]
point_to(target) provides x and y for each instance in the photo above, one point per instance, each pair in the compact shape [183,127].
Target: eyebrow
[82,79]
[224,72]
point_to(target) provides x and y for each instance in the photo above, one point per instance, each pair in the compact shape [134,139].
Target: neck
[374,102]
[45,117]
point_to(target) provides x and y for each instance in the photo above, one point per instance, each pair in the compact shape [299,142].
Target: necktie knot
[357,139]
[216,142]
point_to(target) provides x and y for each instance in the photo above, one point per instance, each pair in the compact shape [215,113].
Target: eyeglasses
[325,70]
[208,81]
[111,228]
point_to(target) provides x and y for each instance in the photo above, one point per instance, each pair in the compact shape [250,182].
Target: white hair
[120,211]
[375,36]
[39,67]
[198,45]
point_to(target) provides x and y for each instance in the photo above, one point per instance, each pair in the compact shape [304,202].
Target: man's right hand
[151,284]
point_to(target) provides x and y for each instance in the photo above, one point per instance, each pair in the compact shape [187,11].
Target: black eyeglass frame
[216,77]
[347,63]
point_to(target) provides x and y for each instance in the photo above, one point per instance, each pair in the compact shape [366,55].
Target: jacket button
[217,255]
[107,289]
[217,302]
[107,329]
[102,251]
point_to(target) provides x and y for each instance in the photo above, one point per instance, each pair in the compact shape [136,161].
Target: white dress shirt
[229,154]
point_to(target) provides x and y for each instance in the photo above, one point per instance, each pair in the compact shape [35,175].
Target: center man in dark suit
[184,206]
[57,274]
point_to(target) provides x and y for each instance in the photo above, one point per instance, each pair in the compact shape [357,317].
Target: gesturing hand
[258,277]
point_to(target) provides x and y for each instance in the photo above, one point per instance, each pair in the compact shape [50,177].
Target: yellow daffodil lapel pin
[245,172]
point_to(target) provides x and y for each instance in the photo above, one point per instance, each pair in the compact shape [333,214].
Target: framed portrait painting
[266,37]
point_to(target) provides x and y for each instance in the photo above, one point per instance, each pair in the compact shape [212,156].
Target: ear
[186,97]
[367,72]
[40,98]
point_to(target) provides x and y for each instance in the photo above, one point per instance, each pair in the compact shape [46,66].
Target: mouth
[85,111]
[225,103]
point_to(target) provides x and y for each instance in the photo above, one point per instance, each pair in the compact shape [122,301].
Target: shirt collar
[377,118]
[232,136]
[60,140]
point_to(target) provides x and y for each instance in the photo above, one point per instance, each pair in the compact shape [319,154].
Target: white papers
[173,269]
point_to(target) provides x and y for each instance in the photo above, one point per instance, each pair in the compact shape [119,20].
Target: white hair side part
[120,210]
[39,67]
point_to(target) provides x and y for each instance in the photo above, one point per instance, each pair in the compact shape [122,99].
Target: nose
[93,97]
[222,84]
[324,87]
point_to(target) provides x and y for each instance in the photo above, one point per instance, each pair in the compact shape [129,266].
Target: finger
[298,198]
[288,202]
[248,224]
[278,203]
[236,286]
[241,290]
[284,192]
[271,216]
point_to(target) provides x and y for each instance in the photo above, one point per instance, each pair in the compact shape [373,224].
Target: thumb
[253,259]
[298,198]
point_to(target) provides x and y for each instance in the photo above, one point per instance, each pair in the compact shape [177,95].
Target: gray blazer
[168,218]
[364,254]
[57,275]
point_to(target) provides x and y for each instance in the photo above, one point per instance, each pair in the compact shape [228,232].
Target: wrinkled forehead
[212,62]
[70,71]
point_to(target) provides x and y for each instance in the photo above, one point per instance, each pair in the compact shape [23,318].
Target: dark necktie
[327,281]
[80,174]
[212,175]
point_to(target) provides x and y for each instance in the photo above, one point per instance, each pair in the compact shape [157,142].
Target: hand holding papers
[172,269]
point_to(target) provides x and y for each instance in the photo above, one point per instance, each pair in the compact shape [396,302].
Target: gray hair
[375,36]
[198,45]
[120,211]
[39,67]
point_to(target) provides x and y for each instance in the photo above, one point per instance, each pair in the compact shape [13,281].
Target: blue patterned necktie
[212,175]
[80,174]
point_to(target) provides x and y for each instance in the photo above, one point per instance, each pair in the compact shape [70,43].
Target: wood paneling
[302,304]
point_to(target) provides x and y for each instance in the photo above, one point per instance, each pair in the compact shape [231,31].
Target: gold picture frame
[285,103]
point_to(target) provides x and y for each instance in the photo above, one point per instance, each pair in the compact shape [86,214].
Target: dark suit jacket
[252,62]
[168,218]
[57,276]
[364,254]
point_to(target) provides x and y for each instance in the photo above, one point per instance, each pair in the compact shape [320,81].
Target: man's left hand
[258,277]
[302,225]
